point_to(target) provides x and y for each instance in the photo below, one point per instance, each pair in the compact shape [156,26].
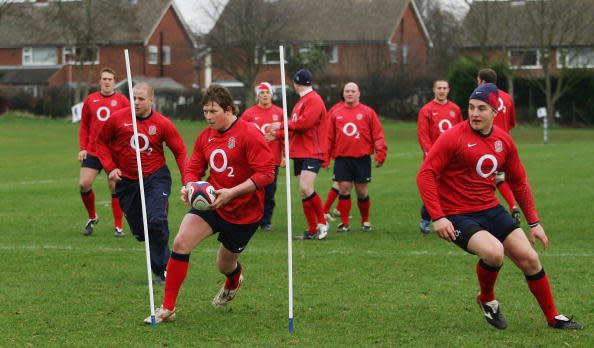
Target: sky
[194,11]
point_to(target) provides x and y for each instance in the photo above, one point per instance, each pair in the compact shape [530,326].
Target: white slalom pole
[288,182]
[142,199]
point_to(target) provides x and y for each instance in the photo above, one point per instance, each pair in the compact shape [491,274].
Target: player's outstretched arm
[537,232]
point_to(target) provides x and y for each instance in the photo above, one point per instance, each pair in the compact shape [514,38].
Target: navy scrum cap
[489,93]
[302,77]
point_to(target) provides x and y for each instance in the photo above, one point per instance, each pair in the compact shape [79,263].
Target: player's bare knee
[529,262]
[85,186]
[493,256]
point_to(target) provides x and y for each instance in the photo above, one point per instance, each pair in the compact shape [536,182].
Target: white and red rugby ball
[201,194]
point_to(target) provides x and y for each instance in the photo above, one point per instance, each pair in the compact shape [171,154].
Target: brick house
[34,52]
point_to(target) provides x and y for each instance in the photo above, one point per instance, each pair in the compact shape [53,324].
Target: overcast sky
[193,11]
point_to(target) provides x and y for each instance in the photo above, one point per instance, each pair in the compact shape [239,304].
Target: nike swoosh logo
[471,145]
[210,139]
[128,124]
[164,194]
[488,315]
[309,167]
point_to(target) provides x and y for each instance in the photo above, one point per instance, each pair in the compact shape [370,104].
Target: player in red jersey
[308,145]
[334,191]
[262,115]
[457,184]
[117,151]
[506,120]
[96,110]
[355,133]
[434,118]
[241,165]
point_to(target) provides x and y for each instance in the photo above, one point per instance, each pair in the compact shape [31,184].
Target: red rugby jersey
[262,118]
[355,132]
[506,112]
[96,110]
[234,156]
[435,118]
[458,174]
[116,140]
[308,137]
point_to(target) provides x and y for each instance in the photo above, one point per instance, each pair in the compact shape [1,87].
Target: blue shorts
[92,162]
[234,237]
[496,221]
[356,169]
[311,164]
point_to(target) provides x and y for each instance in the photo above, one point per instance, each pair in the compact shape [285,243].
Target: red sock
[232,281]
[88,199]
[316,203]
[118,214]
[344,207]
[507,194]
[487,275]
[177,269]
[310,215]
[540,288]
[364,205]
[332,194]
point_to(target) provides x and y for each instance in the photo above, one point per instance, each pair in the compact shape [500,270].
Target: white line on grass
[267,251]
[35,182]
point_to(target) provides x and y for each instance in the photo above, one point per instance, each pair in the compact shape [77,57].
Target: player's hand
[274,126]
[269,137]
[184,194]
[537,232]
[283,164]
[378,164]
[444,228]
[115,175]
[223,197]
[82,155]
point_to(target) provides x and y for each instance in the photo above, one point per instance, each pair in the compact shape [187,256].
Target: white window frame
[393,52]
[68,50]
[536,51]
[152,54]
[166,58]
[271,51]
[572,65]
[405,52]
[28,55]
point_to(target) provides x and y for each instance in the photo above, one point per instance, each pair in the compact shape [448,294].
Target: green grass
[392,287]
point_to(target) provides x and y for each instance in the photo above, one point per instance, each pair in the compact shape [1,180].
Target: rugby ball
[201,194]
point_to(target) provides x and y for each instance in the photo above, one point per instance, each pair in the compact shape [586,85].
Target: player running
[355,133]
[97,109]
[457,185]
[241,165]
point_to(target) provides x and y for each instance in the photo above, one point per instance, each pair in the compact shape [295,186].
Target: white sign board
[541,112]
[76,112]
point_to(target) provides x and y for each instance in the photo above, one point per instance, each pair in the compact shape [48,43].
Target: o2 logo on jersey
[350,129]
[143,139]
[483,161]
[443,123]
[223,167]
[103,113]
[501,106]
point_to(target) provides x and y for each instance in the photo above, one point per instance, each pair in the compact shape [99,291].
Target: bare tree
[4,7]
[243,33]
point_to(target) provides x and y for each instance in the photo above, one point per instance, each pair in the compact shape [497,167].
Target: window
[393,52]
[330,50]
[72,55]
[576,58]
[271,55]
[153,54]
[404,54]
[524,58]
[40,56]
[166,59]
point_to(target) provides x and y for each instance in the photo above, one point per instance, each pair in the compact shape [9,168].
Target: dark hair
[220,95]
[108,70]
[487,75]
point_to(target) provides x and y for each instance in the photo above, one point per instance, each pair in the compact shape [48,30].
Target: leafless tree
[244,30]
[4,7]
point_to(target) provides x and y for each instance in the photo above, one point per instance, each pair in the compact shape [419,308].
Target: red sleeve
[246,116]
[437,159]
[104,138]
[512,114]
[423,131]
[459,117]
[379,142]
[176,144]
[515,176]
[83,130]
[331,138]
[260,160]
[313,113]
[197,165]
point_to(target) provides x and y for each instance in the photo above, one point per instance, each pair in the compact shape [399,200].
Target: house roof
[512,24]
[336,20]
[27,76]
[31,24]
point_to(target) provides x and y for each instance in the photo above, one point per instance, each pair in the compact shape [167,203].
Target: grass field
[392,287]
